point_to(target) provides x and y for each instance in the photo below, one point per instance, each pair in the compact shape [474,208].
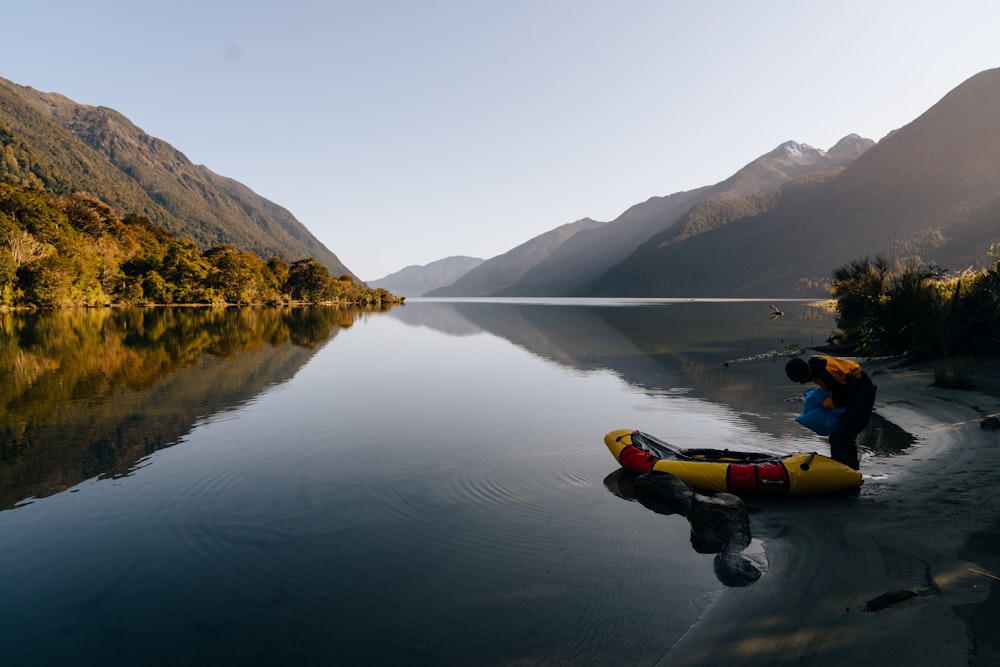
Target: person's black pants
[843,445]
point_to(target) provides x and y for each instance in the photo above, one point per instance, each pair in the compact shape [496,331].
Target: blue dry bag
[815,417]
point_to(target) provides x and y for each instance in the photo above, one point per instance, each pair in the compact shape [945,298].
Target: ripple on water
[334,528]
[490,504]
[263,521]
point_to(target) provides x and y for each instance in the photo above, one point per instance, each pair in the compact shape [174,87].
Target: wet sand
[924,532]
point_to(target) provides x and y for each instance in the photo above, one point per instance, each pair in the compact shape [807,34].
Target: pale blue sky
[403,131]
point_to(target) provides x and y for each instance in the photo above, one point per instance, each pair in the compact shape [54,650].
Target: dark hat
[797,370]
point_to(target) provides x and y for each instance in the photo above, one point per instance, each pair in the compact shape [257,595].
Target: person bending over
[849,386]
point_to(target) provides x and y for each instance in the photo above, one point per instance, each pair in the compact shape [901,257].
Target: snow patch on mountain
[797,152]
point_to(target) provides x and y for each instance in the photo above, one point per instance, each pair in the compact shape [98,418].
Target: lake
[317,486]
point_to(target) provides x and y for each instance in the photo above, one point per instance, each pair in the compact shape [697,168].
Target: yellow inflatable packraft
[740,473]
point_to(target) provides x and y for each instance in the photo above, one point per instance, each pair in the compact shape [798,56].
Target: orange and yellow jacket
[840,377]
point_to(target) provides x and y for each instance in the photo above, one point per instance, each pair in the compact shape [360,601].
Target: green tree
[47,282]
[309,281]
[89,216]
[186,271]
[859,288]
[8,278]
[32,211]
[154,289]
[984,298]
[279,272]
[240,277]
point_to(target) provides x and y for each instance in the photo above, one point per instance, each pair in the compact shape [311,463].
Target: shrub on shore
[918,310]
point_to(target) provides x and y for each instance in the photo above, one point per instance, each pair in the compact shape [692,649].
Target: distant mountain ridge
[582,259]
[491,277]
[415,281]
[927,192]
[48,140]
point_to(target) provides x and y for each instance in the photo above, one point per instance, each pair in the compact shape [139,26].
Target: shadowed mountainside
[929,191]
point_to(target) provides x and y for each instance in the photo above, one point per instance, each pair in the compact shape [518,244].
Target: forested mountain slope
[50,141]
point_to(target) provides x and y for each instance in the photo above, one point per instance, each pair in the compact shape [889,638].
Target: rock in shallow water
[720,520]
[664,493]
[720,523]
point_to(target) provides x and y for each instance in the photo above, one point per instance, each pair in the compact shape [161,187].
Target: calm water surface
[426,485]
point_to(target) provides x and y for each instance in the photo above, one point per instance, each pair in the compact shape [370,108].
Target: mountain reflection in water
[90,393]
[659,346]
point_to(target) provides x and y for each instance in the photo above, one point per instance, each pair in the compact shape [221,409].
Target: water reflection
[728,353]
[89,393]
[719,523]
[883,438]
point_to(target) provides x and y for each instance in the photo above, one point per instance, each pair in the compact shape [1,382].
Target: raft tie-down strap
[767,478]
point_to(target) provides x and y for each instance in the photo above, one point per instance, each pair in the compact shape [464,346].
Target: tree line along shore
[73,250]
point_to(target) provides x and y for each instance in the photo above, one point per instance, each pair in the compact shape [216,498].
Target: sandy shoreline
[925,522]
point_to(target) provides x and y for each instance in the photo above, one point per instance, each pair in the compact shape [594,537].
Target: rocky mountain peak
[796,152]
[850,146]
